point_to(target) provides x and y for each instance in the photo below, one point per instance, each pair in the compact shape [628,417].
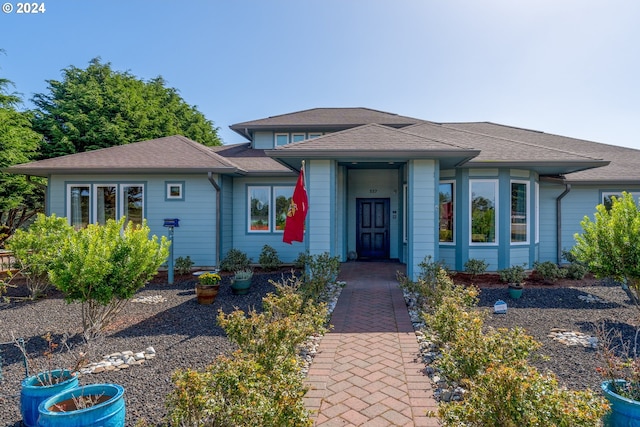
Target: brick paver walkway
[366,371]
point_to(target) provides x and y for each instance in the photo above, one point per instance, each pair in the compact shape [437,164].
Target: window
[315,135]
[405,215]
[105,203]
[97,203]
[78,205]
[132,203]
[174,191]
[282,138]
[298,137]
[447,210]
[607,200]
[483,202]
[519,210]
[262,218]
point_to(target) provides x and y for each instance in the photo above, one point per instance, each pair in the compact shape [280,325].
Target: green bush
[576,271]
[269,260]
[183,265]
[321,270]
[102,266]
[261,383]
[610,244]
[302,260]
[475,266]
[549,270]
[514,274]
[36,249]
[518,395]
[235,260]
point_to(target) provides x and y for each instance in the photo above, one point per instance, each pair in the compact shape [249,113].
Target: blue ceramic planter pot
[240,287]
[514,292]
[624,412]
[108,412]
[33,392]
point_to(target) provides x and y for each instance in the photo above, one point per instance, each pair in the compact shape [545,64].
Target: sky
[568,67]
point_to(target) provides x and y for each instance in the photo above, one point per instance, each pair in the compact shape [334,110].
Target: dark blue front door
[372,228]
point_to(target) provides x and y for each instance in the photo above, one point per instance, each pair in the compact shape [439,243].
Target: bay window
[483,203]
[447,209]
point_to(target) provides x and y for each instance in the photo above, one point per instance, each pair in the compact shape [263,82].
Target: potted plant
[48,382]
[514,276]
[207,287]
[94,404]
[621,374]
[241,282]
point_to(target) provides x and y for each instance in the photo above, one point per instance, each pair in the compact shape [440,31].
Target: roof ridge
[207,151]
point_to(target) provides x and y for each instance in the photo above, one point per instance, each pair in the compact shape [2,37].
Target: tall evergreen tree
[98,107]
[20,198]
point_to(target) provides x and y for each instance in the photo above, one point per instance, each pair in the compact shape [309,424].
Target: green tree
[98,107]
[102,267]
[610,243]
[20,198]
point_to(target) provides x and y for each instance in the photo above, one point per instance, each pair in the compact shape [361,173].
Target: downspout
[567,189]
[217,187]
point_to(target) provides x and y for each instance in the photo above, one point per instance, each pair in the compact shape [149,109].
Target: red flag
[294,224]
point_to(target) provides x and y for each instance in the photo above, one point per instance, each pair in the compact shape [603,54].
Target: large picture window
[607,200]
[97,203]
[268,207]
[519,210]
[483,200]
[447,210]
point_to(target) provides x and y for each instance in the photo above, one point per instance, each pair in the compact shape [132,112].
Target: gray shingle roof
[251,160]
[329,119]
[172,153]
[623,166]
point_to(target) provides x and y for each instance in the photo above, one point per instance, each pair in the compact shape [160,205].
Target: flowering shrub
[209,279]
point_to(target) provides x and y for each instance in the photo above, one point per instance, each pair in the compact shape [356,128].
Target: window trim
[528,208]
[293,136]
[496,204]
[167,190]
[275,138]
[291,188]
[92,188]
[269,192]
[453,219]
[603,194]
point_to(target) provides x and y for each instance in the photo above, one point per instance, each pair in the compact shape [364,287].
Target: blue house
[380,186]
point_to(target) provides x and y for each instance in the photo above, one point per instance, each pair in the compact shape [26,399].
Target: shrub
[320,270]
[576,271]
[549,270]
[518,395]
[302,260]
[235,260]
[610,244]
[514,274]
[433,283]
[36,249]
[183,265]
[102,266]
[261,383]
[475,266]
[269,259]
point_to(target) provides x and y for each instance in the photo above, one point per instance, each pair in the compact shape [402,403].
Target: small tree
[102,266]
[610,244]
[35,250]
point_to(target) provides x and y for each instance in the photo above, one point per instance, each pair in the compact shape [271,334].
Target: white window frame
[453,201]
[618,194]
[405,214]
[496,208]
[169,185]
[275,140]
[93,200]
[268,189]
[528,209]
[294,135]
[290,188]
[315,134]
[537,205]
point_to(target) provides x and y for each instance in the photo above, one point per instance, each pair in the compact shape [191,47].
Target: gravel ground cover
[182,332]
[567,307]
